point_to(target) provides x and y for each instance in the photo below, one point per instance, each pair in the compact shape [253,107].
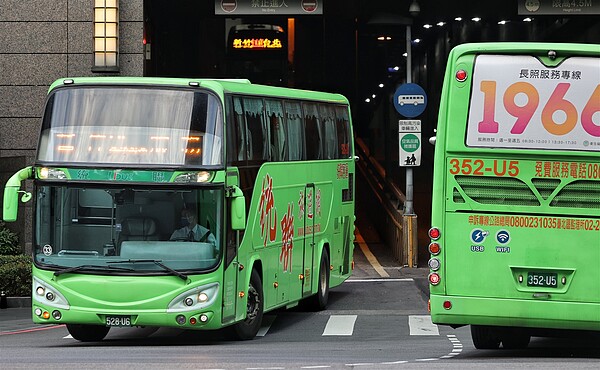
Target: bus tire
[247,329]
[319,301]
[485,337]
[87,333]
[515,338]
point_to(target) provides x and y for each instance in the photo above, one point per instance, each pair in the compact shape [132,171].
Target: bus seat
[138,228]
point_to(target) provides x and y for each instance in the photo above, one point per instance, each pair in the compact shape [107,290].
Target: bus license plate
[118,321]
[542,279]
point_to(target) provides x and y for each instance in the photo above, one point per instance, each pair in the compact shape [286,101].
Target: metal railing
[391,200]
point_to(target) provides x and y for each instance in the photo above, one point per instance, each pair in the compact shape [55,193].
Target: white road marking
[379,280]
[422,325]
[340,325]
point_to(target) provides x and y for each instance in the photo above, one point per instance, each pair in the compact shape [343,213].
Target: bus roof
[534,48]
[234,86]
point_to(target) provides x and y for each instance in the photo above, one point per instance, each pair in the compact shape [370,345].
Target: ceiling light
[440,24]
[458,19]
[381,85]
[476,19]
[427,26]
[503,22]
[416,41]
[527,19]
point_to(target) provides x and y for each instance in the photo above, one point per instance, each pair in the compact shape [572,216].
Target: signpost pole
[410,218]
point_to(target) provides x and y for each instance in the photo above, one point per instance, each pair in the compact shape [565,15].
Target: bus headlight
[52,174]
[201,176]
[47,295]
[194,299]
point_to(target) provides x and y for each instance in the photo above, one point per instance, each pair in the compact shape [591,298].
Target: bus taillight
[461,75]
[447,305]
[434,278]
[434,248]
[434,233]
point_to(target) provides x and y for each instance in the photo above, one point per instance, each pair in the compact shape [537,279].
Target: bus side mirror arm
[238,207]
[11,194]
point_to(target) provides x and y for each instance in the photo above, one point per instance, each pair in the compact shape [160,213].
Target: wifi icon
[502,236]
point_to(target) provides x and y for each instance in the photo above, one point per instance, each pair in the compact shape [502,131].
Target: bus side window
[259,129]
[343,131]
[239,134]
[275,116]
[295,131]
[313,132]
[328,129]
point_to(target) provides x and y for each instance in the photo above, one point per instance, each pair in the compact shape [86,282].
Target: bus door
[309,239]
[230,274]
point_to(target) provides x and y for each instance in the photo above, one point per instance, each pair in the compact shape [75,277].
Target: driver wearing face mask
[191,230]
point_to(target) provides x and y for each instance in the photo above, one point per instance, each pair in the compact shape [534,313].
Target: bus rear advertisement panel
[515,242]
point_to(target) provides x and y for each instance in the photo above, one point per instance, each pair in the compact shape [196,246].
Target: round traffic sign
[410,100]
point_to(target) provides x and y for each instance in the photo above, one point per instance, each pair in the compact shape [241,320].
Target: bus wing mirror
[11,194]
[238,208]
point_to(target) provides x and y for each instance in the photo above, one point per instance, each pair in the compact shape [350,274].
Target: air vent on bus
[497,190]
[578,194]
[545,186]
[457,197]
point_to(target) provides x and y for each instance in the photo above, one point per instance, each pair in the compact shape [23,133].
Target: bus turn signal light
[434,248]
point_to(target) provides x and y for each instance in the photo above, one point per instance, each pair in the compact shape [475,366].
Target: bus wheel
[515,338]
[87,333]
[248,328]
[319,301]
[485,337]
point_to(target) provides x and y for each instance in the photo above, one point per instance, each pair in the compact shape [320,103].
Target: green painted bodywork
[550,209]
[288,274]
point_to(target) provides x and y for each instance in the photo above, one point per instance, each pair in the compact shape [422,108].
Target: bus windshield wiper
[90,267]
[156,262]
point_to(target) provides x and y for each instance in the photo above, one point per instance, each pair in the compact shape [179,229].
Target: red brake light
[447,305]
[461,75]
[434,233]
[434,278]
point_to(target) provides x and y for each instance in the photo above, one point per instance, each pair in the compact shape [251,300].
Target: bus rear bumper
[515,313]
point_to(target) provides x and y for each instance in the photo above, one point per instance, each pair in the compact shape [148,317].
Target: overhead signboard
[554,7]
[268,7]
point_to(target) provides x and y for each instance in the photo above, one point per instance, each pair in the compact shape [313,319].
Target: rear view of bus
[515,237]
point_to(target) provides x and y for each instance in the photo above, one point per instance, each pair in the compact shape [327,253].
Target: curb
[18,302]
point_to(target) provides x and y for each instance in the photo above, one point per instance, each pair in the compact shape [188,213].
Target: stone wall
[44,40]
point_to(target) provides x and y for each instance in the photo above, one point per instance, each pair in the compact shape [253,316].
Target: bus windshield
[128,230]
[132,126]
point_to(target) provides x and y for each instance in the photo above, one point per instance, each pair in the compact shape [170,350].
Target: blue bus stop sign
[410,100]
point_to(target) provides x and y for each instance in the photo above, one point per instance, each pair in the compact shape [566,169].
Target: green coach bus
[188,203]
[515,237]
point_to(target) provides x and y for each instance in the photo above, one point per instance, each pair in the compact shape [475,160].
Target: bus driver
[191,230]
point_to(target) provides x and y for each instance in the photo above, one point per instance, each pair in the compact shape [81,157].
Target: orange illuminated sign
[257,43]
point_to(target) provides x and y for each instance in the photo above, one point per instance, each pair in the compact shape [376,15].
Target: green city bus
[262,176]
[515,237]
